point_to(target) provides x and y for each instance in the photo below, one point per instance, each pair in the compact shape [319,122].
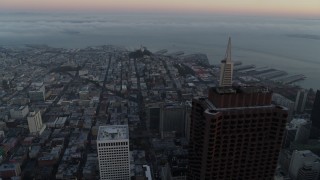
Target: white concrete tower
[35,123]
[226,70]
[113,152]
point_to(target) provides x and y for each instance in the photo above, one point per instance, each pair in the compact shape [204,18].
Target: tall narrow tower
[315,117]
[35,123]
[113,152]
[226,69]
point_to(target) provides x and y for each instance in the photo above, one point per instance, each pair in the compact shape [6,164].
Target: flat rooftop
[240,89]
[32,114]
[19,108]
[113,132]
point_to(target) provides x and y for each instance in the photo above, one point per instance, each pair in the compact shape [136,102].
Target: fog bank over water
[292,45]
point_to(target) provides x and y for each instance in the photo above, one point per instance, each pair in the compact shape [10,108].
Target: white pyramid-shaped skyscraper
[226,70]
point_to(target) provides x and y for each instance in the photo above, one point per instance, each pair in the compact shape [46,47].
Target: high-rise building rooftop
[113,132]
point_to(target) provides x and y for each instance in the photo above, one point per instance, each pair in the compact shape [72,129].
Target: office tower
[284,160]
[278,99]
[300,102]
[153,116]
[167,118]
[303,130]
[172,120]
[37,92]
[113,152]
[304,165]
[315,114]
[84,95]
[35,123]
[289,136]
[298,131]
[84,92]
[236,133]
[188,119]
[226,69]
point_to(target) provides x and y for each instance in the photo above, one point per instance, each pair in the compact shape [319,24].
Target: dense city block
[105,112]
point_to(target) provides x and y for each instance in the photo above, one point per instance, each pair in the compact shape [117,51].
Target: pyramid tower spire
[226,69]
[228,52]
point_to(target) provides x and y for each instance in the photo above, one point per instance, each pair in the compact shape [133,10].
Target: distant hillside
[139,53]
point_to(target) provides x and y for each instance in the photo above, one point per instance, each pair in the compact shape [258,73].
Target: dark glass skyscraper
[236,133]
[315,117]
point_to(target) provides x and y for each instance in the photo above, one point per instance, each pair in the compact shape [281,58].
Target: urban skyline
[142,110]
[145,90]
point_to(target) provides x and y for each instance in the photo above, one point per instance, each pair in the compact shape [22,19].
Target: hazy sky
[309,8]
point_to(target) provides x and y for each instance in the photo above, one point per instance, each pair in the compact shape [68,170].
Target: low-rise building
[37,92]
[304,165]
[19,112]
[9,170]
[297,131]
